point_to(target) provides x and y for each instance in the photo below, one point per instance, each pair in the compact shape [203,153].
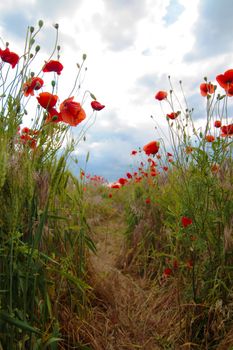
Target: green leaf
[51,341]
[18,323]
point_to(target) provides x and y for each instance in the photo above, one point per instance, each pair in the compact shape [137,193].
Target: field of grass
[143,263]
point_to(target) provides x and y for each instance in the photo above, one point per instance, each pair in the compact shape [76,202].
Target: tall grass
[43,232]
[179,215]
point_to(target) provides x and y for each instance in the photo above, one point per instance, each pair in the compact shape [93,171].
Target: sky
[132,47]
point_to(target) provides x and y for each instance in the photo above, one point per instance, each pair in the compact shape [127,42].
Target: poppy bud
[40,23]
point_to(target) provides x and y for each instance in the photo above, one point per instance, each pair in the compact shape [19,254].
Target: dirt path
[124,313]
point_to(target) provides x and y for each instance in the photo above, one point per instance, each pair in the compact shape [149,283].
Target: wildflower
[71,112]
[47,100]
[53,116]
[170,160]
[33,84]
[227,130]
[133,153]
[97,106]
[161,95]
[217,124]
[173,115]
[151,148]
[110,195]
[193,238]
[122,181]
[215,168]
[158,156]
[165,168]
[25,130]
[189,264]
[209,138]
[225,80]
[169,154]
[175,264]
[188,150]
[152,162]
[129,176]
[229,91]
[153,173]
[9,57]
[185,221]
[28,137]
[53,66]
[207,89]
[167,272]
[138,179]
[147,200]
[115,185]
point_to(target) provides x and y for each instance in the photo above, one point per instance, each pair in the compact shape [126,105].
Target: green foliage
[44,236]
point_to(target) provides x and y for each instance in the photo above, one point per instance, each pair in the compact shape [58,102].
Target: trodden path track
[124,313]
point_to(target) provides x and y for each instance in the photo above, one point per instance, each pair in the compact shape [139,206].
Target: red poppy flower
[110,195]
[189,264]
[147,200]
[53,116]
[209,138]
[161,95]
[25,130]
[129,176]
[33,84]
[133,153]
[165,168]
[227,130]
[97,106]
[47,100]
[28,137]
[115,185]
[138,179]
[215,168]
[188,150]
[53,66]
[122,181]
[173,115]
[217,124]
[153,173]
[167,272]
[169,154]
[71,112]
[175,264]
[9,57]
[229,91]
[151,148]
[185,221]
[207,89]
[152,162]
[225,80]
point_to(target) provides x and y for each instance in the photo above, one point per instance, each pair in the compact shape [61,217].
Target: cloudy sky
[132,46]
